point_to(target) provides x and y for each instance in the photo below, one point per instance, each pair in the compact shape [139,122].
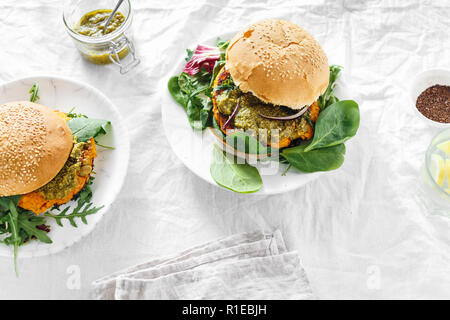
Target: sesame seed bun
[35,143]
[279,62]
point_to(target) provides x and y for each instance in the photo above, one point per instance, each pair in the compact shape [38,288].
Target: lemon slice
[438,169]
[444,146]
[447,172]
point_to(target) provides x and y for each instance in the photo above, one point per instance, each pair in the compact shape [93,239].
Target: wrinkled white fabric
[104,288]
[361,231]
[275,277]
[246,266]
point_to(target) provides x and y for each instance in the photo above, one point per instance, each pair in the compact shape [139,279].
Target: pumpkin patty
[36,201]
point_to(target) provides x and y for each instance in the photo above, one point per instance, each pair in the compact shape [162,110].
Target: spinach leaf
[335,125]
[87,128]
[176,93]
[325,159]
[242,178]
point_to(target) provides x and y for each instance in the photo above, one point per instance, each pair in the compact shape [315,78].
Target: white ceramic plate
[195,148]
[423,81]
[110,165]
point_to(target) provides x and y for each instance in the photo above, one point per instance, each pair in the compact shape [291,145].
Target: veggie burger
[274,73]
[39,158]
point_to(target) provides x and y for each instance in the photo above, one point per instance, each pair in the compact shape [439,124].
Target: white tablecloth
[361,231]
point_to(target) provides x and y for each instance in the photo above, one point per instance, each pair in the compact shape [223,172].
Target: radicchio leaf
[203,57]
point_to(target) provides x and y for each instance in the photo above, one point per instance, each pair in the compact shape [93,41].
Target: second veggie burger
[274,74]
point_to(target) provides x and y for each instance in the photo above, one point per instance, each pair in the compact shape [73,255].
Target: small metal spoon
[112,15]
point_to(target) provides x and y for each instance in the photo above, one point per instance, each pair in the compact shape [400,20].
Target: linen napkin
[245,266]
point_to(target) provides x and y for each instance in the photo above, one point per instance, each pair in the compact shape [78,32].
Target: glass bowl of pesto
[85,20]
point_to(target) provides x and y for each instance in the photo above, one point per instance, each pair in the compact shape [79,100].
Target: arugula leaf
[193,85]
[83,209]
[190,54]
[87,128]
[27,222]
[198,110]
[14,228]
[72,115]
[328,98]
[192,92]
[34,92]
[30,227]
[4,201]
[20,225]
[222,45]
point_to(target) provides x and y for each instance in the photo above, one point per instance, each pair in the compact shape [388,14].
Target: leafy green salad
[338,121]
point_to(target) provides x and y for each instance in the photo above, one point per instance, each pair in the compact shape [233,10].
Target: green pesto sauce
[66,179]
[92,23]
[248,118]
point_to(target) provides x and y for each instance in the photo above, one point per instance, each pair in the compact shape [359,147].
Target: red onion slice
[292,117]
[225,125]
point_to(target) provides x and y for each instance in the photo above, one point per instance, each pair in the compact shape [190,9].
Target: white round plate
[423,81]
[195,148]
[110,165]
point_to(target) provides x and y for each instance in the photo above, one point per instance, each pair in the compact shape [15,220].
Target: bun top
[279,62]
[35,143]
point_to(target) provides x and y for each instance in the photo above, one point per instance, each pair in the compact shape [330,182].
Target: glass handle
[115,58]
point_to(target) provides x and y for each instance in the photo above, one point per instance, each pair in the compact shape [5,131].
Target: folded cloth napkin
[246,266]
